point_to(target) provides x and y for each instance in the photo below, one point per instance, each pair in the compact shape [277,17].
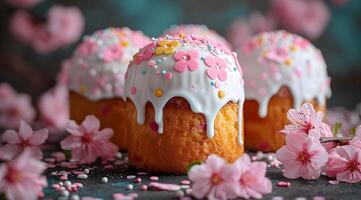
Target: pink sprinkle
[298,73]
[41,194]
[154,178]
[50,160]
[64,177]
[185,182]
[77,172]
[333,182]
[108,167]
[151,63]
[138,180]
[164,186]
[144,187]
[168,75]
[284,184]
[277,198]
[318,198]
[133,90]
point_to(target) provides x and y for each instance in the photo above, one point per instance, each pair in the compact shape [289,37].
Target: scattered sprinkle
[82,176]
[158,92]
[67,183]
[333,182]
[130,177]
[154,178]
[104,180]
[130,187]
[74,197]
[164,186]
[185,182]
[179,193]
[277,198]
[144,187]
[65,193]
[138,180]
[221,94]
[283,184]
[86,171]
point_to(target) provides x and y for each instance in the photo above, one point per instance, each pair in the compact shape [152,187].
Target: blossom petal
[10,151]
[39,137]
[104,135]
[25,131]
[11,137]
[90,124]
[71,142]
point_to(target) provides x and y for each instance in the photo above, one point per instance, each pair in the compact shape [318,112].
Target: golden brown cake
[96,78]
[281,71]
[188,96]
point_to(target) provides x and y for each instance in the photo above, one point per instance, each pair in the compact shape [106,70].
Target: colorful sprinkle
[284,184]
[133,90]
[288,62]
[168,75]
[158,92]
[221,94]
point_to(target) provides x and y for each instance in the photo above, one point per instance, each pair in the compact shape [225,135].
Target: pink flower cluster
[64,26]
[87,142]
[304,156]
[215,179]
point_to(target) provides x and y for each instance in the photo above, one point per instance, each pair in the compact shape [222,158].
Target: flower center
[87,139]
[308,127]
[216,179]
[353,165]
[304,158]
[186,57]
[13,176]
[25,143]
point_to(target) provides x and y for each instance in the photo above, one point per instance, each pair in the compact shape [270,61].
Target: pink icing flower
[305,120]
[24,140]
[145,53]
[120,196]
[216,68]
[186,60]
[24,3]
[304,17]
[302,156]
[21,178]
[65,23]
[345,164]
[87,142]
[253,183]
[86,48]
[113,52]
[54,108]
[14,108]
[214,179]
[356,141]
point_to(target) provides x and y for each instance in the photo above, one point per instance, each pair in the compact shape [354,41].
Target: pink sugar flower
[252,183]
[302,156]
[304,120]
[21,178]
[120,196]
[113,52]
[66,24]
[24,3]
[17,107]
[345,164]
[54,108]
[24,140]
[186,60]
[216,68]
[309,18]
[87,142]
[145,53]
[214,179]
[356,141]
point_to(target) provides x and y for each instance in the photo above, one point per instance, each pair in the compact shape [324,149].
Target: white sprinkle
[119,155]
[130,187]
[300,198]
[179,193]
[65,193]
[74,197]
[130,177]
[105,180]
[86,171]
[185,186]
[67,183]
[82,176]
[61,183]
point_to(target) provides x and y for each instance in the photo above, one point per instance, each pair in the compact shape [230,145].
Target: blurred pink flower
[356,141]
[305,120]
[24,140]
[253,183]
[214,179]
[62,77]
[348,119]
[65,23]
[308,18]
[14,107]
[345,164]
[21,178]
[24,3]
[302,156]
[54,108]
[243,29]
[22,25]
[87,142]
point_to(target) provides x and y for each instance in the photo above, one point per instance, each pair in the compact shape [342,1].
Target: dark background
[34,73]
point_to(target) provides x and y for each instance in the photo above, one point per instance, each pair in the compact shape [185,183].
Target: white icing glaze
[198,88]
[196,29]
[98,66]
[275,59]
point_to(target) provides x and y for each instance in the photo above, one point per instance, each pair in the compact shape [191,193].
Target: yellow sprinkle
[82,88]
[158,92]
[288,61]
[221,94]
[260,40]
[293,48]
[181,36]
[124,43]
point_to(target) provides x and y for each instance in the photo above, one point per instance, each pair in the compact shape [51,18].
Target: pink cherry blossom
[14,108]
[120,196]
[54,108]
[252,183]
[21,178]
[24,140]
[214,179]
[87,142]
[65,23]
[6,92]
[24,3]
[145,53]
[113,52]
[302,156]
[186,60]
[356,141]
[305,120]
[23,26]
[309,18]
[216,68]
[345,164]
